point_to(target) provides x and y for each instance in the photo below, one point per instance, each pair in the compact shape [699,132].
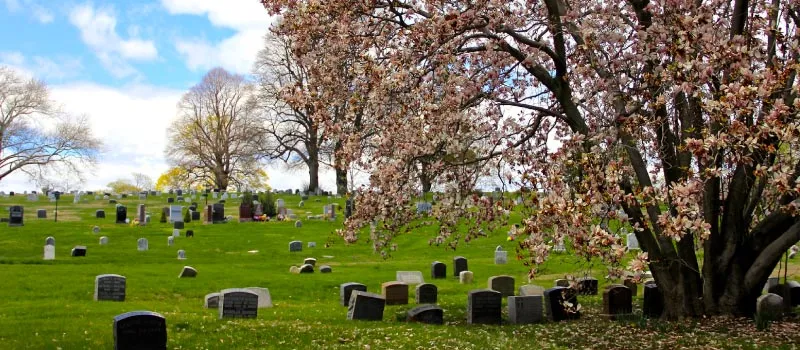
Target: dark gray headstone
[306,268]
[525,309]
[139,330]
[100,214]
[365,306]
[79,250]
[310,261]
[438,270]
[325,269]
[50,241]
[794,292]
[178,225]
[426,293]
[587,286]
[109,287]
[41,214]
[170,200]
[653,301]
[122,214]
[188,271]
[484,306]
[503,284]
[16,215]
[189,233]
[628,282]
[617,300]
[295,246]
[345,289]
[195,215]
[555,302]
[459,264]
[430,314]
[769,306]
[238,303]
[218,214]
[211,301]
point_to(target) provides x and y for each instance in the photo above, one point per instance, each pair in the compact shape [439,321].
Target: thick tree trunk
[313,174]
[341,181]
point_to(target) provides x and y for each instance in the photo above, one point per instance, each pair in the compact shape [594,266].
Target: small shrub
[163,218]
[187,216]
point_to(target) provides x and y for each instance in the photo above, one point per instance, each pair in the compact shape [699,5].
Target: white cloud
[37,11]
[61,68]
[236,53]
[98,31]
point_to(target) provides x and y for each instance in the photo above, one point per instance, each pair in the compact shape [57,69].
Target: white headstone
[175,213]
[176,232]
[264,298]
[103,240]
[500,257]
[181,254]
[633,243]
[409,277]
[170,240]
[142,244]
[49,252]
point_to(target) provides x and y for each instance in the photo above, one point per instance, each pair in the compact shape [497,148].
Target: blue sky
[125,64]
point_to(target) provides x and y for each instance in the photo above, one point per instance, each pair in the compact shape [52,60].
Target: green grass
[48,304]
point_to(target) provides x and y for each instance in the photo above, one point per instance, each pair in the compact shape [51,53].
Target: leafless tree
[217,134]
[35,135]
[142,182]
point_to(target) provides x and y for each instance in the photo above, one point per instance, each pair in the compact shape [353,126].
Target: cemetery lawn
[49,304]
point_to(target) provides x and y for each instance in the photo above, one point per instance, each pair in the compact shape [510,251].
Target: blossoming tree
[681,114]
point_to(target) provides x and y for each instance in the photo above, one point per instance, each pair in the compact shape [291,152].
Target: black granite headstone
[41,214]
[617,300]
[178,225]
[100,214]
[238,303]
[438,270]
[587,286]
[561,304]
[653,301]
[484,306]
[459,264]
[345,289]
[426,293]
[430,314]
[122,214]
[79,250]
[218,215]
[109,287]
[365,306]
[170,200]
[16,215]
[140,330]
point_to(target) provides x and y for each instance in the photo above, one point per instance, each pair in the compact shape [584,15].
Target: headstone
[531,289]
[561,303]
[561,282]
[175,213]
[409,277]
[345,289]
[306,268]
[500,257]
[426,293]
[465,277]
[459,264]
[141,215]
[325,269]
[218,215]
[312,244]
[122,214]
[109,287]
[794,292]
[395,292]
[170,200]
[49,252]
[429,314]
[189,233]
[264,298]
[238,303]
[525,309]
[16,216]
[50,241]
[653,301]
[139,330]
[100,214]
[294,270]
[768,306]
[587,286]
[176,233]
[188,271]
[503,284]
[195,215]
[438,270]
[211,301]
[632,242]
[170,240]
[181,254]
[783,291]
[484,307]
[178,225]
[79,250]
[365,306]
[310,261]
[298,224]
[179,199]
[295,246]
[617,300]
[142,245]
[103,240]
[41,214]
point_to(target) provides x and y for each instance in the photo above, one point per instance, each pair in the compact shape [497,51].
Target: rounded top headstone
[96,229]
[50,241]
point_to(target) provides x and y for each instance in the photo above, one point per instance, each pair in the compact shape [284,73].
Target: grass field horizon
[49,304]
